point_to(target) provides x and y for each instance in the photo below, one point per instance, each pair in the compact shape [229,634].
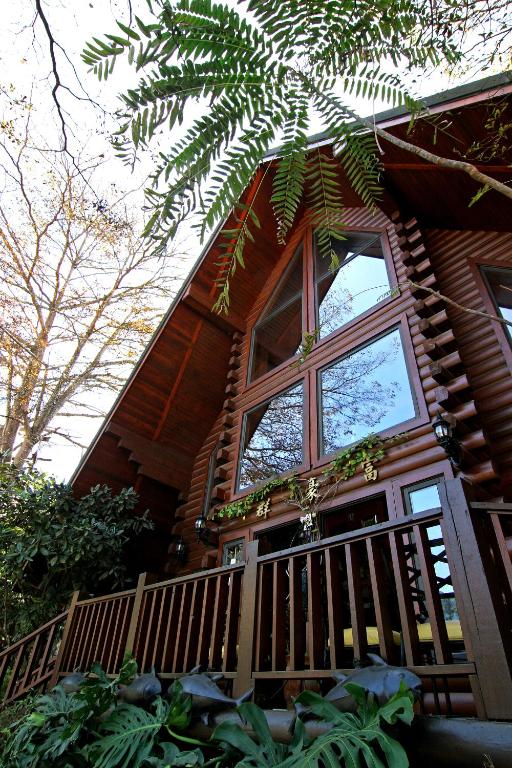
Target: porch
[432,591]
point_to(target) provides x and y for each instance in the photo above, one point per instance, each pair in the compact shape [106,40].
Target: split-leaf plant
[92,729]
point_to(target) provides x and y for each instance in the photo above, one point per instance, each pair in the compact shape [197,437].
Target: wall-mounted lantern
[444,433]
[178,548]
[204,533]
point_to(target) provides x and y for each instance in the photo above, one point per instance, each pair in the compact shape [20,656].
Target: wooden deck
[431,591]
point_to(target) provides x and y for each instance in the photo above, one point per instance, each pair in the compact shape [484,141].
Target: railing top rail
[492,506]
[396,524]
[196,575]
[33,634]
[106,598]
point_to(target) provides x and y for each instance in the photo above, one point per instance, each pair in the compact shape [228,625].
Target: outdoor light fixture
[178,549]
[203,533]
[443,431]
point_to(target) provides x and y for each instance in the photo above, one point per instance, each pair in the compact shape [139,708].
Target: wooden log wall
[482,345]
[458,367]
[437,372]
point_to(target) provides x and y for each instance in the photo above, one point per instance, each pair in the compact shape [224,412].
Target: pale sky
[25,63]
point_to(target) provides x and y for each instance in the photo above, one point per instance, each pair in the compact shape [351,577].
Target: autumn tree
[80,294]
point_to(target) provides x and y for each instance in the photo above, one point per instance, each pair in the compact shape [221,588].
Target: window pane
[233,552]
[272,438]
[500,284]
[424,498]
[421,499]
[358,284]
[367,391]
[278,333]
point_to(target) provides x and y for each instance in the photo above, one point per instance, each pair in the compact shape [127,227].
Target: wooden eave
[167,408]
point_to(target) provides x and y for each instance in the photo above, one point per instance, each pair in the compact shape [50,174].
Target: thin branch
[56,76]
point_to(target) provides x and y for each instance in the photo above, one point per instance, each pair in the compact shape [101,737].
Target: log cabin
[329,465]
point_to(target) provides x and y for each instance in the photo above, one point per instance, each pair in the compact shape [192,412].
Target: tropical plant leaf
[127,737]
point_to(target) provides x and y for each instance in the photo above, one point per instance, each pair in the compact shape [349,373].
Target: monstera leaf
[127,737]
[356,738]
[266,752]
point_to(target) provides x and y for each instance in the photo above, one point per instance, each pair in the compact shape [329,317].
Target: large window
[272,438]
[366,391]
[331,299]
[357,285]
[304,408]
[499,280]
[278,333]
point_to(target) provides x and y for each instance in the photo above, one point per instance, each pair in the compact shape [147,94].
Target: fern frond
[288,184]
[325,200]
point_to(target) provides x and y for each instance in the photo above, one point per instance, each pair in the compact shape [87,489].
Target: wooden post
[243,679]
[134,620]
[480,623]
[65,634]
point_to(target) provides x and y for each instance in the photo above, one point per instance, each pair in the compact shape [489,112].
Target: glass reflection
[272,438]
[358,284]
[499,280]
[278,333]
[422,500]
[367,391]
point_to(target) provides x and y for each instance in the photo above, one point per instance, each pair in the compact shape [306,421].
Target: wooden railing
[29,664]
[429,591]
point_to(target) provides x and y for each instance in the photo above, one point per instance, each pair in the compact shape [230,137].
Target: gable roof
[174,394]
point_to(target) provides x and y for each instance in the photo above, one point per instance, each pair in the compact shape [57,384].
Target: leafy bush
[93,729]
[52,544]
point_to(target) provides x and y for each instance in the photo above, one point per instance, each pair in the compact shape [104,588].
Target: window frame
[392,429]
[337,344]
[476,266]
[241,492]
[276,286]
[391,274]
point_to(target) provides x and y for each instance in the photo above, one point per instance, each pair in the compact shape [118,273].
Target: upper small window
[278,333]
[499,280]
[357,285]
[366,391]
[272,438]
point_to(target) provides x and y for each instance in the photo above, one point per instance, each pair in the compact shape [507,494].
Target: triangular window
[278,333]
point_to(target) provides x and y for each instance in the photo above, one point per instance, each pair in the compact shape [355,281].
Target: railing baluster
[100,642]
[378,580]
[84,636]
[232,619]
[221,597]
[432,598]
[502,547]
[113,644]
[405,599]
[359,638]
[315,622]
[69,659]
[279,616]
[334,607]
[158,639]
[205,625]
[177,665]
[297,639]
[13,679]
[93,634]
[193,624]
[166,665]
[148,608]
[30,660]
[264,618]
[219,616]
